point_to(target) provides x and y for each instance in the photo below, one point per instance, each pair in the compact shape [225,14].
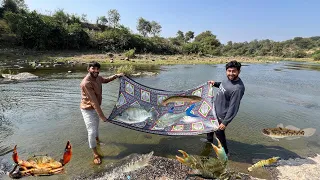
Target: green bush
[191,48]
[126,69]
[316,57]
[299,54]
[4,27]
[130,53]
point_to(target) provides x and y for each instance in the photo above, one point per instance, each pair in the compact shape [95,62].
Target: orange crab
[39,165]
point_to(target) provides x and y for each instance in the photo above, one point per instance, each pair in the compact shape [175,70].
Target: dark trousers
[222,138]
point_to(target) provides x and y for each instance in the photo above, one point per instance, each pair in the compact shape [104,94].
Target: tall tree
[155,28]
[113,18]
[180,36]
[10,5]
[84,18]
[144,26]
[188,36]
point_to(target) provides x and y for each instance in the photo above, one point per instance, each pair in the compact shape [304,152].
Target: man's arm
[233,106]
[88,89]
[111,78]
[215,84]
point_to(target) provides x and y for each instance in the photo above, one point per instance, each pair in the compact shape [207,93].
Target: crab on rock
[39,165]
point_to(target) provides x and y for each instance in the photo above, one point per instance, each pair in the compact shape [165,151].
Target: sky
[229,20]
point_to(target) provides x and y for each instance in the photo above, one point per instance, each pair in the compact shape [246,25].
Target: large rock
[144,74]
[21,76]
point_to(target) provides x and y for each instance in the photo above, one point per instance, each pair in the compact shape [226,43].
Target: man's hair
[94,64]
[233,64]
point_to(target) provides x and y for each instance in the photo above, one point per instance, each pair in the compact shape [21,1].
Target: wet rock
[57,65]
[110,55]
[161,168]
[144,74]
[21,76]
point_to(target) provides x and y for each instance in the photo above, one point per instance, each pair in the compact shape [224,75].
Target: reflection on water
[302,66]
[41,116]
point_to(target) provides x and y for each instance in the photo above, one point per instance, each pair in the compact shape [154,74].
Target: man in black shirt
[227,100]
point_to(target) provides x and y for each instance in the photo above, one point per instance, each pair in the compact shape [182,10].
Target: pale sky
[229,20]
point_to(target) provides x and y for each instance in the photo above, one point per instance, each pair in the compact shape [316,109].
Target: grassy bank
[17,56]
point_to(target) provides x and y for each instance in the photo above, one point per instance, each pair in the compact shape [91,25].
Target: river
[41,116]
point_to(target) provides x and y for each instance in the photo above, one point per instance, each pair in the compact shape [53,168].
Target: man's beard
[232,77]
[94,74]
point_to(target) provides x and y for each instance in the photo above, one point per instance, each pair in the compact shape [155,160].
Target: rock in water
[21,76]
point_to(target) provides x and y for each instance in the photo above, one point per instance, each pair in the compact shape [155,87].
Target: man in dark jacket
[227,100]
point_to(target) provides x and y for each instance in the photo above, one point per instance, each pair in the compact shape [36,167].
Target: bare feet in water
[97,160]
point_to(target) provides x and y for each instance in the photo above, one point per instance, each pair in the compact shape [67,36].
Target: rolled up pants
[91,120]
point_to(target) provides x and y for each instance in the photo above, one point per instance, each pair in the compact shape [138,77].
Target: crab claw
[185,156]
[221,154]
[67,154]
[15,156]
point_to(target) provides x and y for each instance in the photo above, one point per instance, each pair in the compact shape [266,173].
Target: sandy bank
[299,169]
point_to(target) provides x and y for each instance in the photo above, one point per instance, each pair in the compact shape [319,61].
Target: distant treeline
[63,31]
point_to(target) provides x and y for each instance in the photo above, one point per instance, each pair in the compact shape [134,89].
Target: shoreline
[163,168]
[27,56]
[158,168]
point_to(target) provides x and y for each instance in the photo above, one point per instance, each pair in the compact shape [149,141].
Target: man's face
[232,73]
[94,71]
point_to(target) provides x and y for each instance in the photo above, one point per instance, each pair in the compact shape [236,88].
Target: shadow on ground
[169,146]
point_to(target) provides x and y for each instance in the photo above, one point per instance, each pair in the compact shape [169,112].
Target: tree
[113,18]
[188,36]
[84,18]
[102,20]
[61,16]
[155,28]
[74,19]
[15,6]
[30,28]
[203,35]
[144,26]
[180,36]
[209,43]
[21,4]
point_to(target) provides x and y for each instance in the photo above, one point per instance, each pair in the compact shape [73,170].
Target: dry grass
[178,59]
[140,59]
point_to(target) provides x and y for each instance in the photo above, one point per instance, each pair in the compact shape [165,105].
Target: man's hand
[211,82]
[105,119]
[222,127]
[119,75]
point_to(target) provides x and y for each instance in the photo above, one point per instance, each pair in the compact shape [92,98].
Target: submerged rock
[21,76]
[144,74]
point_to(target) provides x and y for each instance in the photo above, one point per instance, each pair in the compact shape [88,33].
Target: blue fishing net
[140,108]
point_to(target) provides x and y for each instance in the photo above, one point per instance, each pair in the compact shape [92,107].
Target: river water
[41,116]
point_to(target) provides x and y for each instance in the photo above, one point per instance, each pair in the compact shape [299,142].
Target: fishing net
[140,108]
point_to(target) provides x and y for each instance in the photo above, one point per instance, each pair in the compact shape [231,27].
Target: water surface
[41,116]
